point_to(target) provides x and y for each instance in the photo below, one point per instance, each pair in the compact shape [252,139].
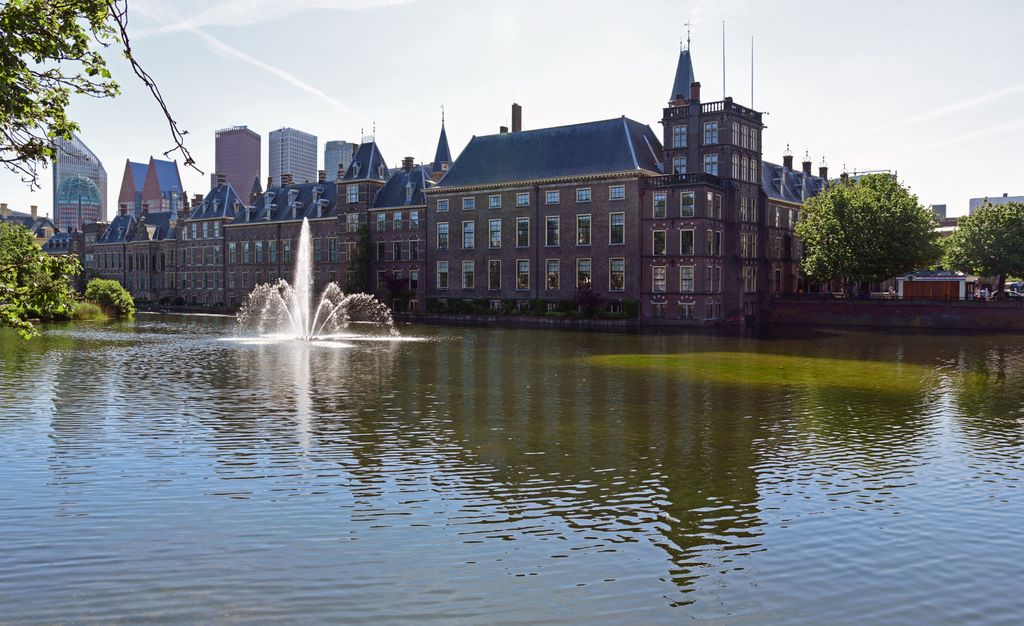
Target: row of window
[396,220]
[400,251]
[552,274]
[712,279]
[742,135]
[552,232]
[744,169]
[202,232]
[687,310]
[713,206]
[551,196]
[687,244]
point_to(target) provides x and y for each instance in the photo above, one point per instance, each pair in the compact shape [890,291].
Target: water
[159,471]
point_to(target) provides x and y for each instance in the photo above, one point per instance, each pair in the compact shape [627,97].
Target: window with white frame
[617,274]
[522,199]
[686,204]
[584,274]
[583,194]
[551,197]
[494,233]
[442,274]
[522,274]
[493,202]
[551,230]
[659,246]
[686,278]
[616,229]
[679,165]
[494,275]
[522,232]
[468,203]
[468,235]
[686,242]
[469,275]
[660,205]
[442,235]
[710,133]
[678,136]
[659,279]
[583,230]
[711,164]
[442,205]
[617,192]
[736,172]
[553,274]
[352,193]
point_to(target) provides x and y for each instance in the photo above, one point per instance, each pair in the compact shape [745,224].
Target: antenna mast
[752,72]
[723,59]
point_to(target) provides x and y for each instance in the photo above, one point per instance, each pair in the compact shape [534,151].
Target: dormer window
[408,192]
[355,169]
[380,170]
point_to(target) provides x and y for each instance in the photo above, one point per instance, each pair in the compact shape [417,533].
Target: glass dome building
[78,203]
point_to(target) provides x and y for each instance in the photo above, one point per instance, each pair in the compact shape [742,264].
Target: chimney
[695,92]
[35,211]
[823,169]
[503,130]
[787,161]
[4,211]
[122,210]
[321,176]
[270,182]
[517,118]
[407,164]
[807,163]
[286,180]
[1004,195]
[844,177]
[341,171]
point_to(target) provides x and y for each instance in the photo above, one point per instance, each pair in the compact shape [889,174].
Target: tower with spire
[442,156]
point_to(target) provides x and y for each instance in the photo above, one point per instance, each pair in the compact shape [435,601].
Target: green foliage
[85,311]
[111,296]
[869,230]
[48,55]
[361,264]
[990,242]
[32,283]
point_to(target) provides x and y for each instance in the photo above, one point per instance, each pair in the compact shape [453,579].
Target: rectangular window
[233,253]
[414,250]
[414,279]
[660,206]
[332,249]
[551,197]
[522,199]
[686,242]
[686,278]
[468,203]
[582,230]
[259,252]
[442,205]
[617,192]
[352,222]
[195,230]
[718,206]
[494,275]
[718,243]
[396,220]
[659,279]
[352,193]
[494,233]
[659,243]
[711,164]
[396,250]
[616,229]
[553,271]
[442,235]
[468,235]
[317,250]
[679,165]
[382,222]
[522,274]
[216,230]
[287,250]
[686,204]
[686,311]
[583,194]
[245,253]
[469,274]
[414,220]
[493,202]
[678,136]
[617,275]
[709,242]
[381,251]
[736,173]
[708,272]
[552,225]
[442,274]
[206,230]
[522,232]
[584,274]
[710,133]
[272,250]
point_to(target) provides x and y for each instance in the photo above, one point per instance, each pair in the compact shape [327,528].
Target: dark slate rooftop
[292,203]
[155,226]
[404,188]
[167,175]
[119,230]
[684,77]
[615,145]
[443,154]
[37,225]
[60,243]
[218,203]
[789,185]
[367,163]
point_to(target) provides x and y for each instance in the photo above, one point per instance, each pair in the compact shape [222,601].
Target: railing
[727,105]
[676,180]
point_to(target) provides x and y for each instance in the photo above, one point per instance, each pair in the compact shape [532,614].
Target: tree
[52,50]
[111,296]
[360,265]
[32,283]
[990,242]
[866,231]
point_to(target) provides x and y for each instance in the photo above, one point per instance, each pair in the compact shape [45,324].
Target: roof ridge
[629,142]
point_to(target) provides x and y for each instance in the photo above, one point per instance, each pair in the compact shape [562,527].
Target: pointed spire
[256,190]
[684,77]
[443,156]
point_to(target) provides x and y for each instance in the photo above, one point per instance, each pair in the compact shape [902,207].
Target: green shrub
[631,308]
[111,296]
[88,311]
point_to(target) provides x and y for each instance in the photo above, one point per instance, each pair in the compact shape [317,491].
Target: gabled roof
[443,154]
[684,77]
[167,175]
[615,145]
[218,203]
[119,230]
[154,226]
[368,163]
[780,183]
[59,243]
[138,174]
[404,188]
[276,203]
[36,225]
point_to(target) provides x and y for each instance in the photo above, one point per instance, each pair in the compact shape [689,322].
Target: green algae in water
[775,370]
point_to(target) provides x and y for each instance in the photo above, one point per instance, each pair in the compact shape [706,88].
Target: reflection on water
[168,470]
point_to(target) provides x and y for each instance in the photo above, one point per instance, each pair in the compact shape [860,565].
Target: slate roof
[154,226]
[275,204]
[138,171]
[167,175]
[218,203]
[60,243]
[367,163]
[443,154]
[789,185]
[37,225]
[684,77]
[119,230]
[396,192]
[615,145]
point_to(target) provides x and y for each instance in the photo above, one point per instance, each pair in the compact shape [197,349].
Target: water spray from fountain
[285,309]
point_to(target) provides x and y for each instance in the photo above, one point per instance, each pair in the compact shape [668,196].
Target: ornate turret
[443,156]
[684,79]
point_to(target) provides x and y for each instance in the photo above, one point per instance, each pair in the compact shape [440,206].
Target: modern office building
[153,186]
[291,152]
[237,157]
[78,202]
[1003,199]
[337,157]
[74,158]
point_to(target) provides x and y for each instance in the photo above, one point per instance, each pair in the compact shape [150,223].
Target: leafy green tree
[866,230]
[990,242]
[53,50]
[361,263]
[111,296]
[32,283]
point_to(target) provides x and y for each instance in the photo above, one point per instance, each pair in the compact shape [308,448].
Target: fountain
[286,310]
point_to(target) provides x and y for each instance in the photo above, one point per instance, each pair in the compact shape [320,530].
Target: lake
[163,470]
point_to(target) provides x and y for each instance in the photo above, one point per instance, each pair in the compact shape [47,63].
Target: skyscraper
[292,152]
[74,158]
[337,155]
[237,157]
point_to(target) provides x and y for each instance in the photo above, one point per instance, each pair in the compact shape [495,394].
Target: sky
[929,89]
